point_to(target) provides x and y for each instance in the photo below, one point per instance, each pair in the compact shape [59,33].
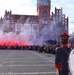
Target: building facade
[55,22]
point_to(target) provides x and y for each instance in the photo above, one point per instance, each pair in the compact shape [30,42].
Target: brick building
[56,22]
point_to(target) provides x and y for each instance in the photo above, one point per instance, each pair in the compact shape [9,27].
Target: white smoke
[26,34]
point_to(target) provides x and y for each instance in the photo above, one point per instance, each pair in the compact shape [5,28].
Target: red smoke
[12,43]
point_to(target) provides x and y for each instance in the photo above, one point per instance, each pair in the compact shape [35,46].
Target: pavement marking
[28,65]
[21,61]
[30,73]
[42,57]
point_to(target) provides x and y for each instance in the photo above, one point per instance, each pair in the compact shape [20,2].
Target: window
[63,22]
[44,14]
[7,21]
[35,27]
[65,27]
[46,22]
[45,2]
[12,26]
[42,21]
[8,26]
[57,13]
[43,25]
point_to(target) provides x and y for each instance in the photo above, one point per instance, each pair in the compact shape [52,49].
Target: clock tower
[43,12]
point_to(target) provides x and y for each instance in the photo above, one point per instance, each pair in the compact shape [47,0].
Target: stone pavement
[26,62]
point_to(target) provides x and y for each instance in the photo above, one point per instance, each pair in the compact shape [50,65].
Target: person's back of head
[64,38]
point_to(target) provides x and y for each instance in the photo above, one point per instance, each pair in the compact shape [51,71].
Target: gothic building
[56,22]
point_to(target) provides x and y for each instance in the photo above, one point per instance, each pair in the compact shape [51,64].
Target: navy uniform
[62,54]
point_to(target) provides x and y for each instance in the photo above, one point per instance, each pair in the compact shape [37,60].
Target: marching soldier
[62,54]
[47,49]
[53,51]
[40,48]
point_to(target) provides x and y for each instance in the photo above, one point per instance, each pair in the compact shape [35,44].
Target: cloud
[18,6]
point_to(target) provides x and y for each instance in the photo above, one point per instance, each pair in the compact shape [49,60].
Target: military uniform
[62,54]
[61,60]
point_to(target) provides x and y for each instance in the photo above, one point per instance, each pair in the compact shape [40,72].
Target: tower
[43,12]
[7,21]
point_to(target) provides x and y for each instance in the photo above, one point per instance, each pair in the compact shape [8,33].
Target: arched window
[44,14]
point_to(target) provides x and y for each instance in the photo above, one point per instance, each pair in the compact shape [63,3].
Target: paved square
[25,62]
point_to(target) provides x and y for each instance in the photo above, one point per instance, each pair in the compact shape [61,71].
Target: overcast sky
[29,7]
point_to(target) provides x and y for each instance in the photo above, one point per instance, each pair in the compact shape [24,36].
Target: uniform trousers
[66,72]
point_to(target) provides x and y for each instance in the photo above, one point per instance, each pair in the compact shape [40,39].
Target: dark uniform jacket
[61,57]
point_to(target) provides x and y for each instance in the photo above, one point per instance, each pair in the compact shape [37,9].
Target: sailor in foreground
[62,54]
